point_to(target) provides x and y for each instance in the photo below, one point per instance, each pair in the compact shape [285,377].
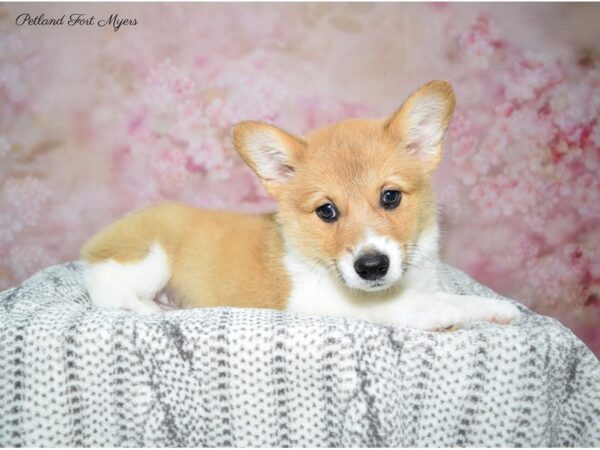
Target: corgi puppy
[355,233]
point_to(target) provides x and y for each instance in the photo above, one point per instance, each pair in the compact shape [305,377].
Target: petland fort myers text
[75,20]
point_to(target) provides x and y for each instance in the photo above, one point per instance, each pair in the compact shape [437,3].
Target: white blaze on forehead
[375,243]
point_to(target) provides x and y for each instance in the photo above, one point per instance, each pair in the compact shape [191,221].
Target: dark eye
[390,199]
[328,212]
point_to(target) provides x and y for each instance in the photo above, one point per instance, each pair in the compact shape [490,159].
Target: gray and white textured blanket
[75,375]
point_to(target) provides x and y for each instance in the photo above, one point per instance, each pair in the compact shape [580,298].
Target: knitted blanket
[75,375]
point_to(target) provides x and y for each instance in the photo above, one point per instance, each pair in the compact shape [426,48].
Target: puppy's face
[356,197]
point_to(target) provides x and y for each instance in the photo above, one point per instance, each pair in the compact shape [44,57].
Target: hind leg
[129,285]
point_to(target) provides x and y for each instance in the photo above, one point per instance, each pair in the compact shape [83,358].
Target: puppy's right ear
[271,152]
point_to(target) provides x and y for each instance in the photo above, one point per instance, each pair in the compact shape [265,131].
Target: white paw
[110,292]
[470,308]
[441,317]
[113,299]
[502,312]
[442,311]
[143,307]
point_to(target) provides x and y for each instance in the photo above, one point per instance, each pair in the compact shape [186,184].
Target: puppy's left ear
[420,124]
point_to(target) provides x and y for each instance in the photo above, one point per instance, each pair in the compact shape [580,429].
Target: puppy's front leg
[441,310]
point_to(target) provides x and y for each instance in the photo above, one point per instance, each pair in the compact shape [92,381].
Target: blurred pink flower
[480,42]
[528,158]
[21,206]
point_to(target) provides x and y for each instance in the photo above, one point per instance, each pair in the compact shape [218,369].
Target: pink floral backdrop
[96,122]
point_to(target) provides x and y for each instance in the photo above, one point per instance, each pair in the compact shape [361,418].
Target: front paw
[441,311]
[481,309]
[431,314]
[502,312]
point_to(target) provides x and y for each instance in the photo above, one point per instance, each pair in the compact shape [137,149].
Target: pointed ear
[420,123]
[269,151]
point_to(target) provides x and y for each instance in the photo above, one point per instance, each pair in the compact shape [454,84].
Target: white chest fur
[415,302]
[317,291]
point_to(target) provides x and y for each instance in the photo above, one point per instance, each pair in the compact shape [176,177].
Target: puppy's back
[129,239]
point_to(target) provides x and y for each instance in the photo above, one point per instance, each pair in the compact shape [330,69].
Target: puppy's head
[356,196]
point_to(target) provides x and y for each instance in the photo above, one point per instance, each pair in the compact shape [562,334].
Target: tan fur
[230,259]
[217,258]
[350,163]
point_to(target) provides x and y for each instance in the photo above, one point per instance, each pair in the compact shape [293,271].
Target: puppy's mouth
[378,286]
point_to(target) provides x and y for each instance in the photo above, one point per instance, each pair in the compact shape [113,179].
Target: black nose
[372,266]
